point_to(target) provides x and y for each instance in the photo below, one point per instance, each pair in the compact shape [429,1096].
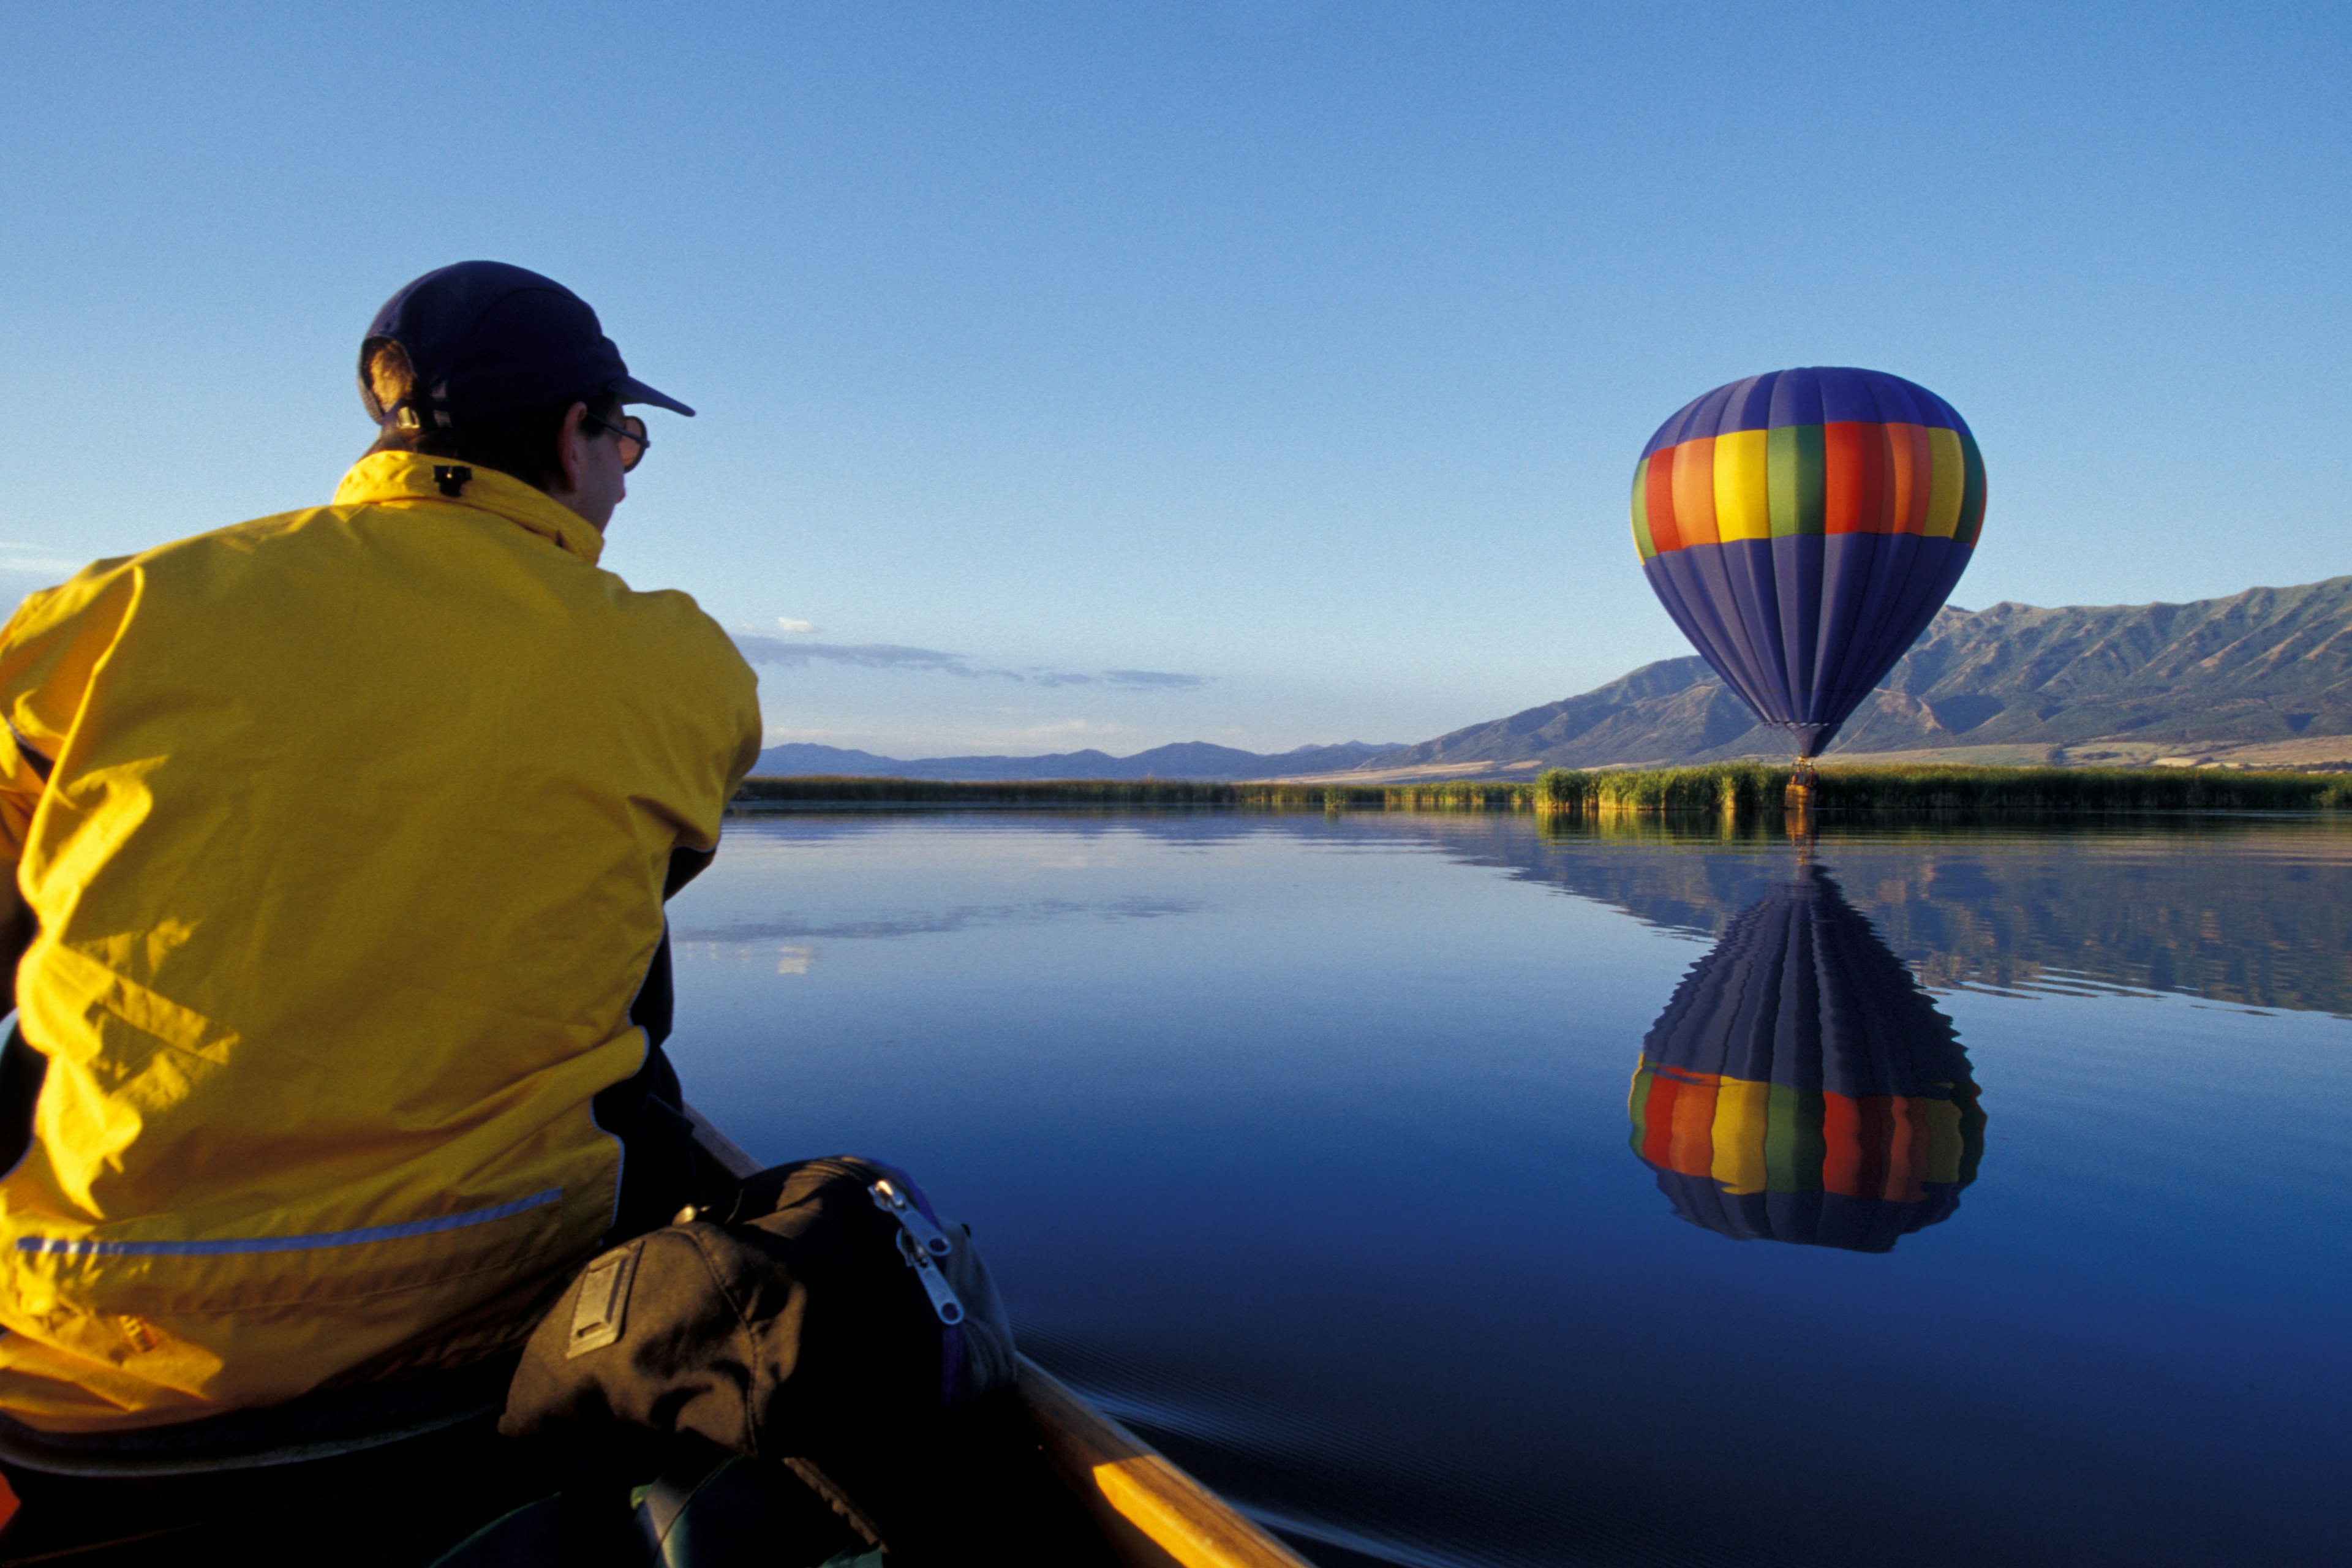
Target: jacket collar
[400,479]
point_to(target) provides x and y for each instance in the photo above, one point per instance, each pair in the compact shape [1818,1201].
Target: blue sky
[1291,358]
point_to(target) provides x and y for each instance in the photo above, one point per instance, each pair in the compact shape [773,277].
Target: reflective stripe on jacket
[348,861]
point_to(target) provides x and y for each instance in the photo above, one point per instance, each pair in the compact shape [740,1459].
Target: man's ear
[571,451]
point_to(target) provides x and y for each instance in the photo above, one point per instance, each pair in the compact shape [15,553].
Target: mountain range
[1184,759]
[2261,677]
[2258,678]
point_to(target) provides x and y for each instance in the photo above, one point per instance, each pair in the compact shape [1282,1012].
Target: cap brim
[631,390]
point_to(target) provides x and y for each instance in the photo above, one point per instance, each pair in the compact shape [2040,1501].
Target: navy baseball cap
[484,339]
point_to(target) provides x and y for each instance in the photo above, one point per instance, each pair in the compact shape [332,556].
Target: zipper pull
[892,1202]
[935,1285]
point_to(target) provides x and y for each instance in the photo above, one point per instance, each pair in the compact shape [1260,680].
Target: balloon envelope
[1802,527]
[1801,1087]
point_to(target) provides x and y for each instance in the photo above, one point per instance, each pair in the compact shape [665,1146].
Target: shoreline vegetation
[1740,790]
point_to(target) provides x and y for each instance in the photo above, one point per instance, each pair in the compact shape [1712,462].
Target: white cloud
[1155,679]
[803,627]
[37,558]
[872,655]
[761,649]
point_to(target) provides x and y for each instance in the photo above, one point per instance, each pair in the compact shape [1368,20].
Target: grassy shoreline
[817,791]
[1744,789]
[1739,790]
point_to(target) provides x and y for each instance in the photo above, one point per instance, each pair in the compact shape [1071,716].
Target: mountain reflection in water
[1801,1087]
[2235,910]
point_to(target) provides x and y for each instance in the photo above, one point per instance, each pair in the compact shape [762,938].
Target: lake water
[1450,1191]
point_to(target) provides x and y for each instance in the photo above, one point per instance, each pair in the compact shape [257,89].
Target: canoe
[1151,1513]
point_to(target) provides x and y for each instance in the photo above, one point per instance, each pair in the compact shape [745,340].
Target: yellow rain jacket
[348,864]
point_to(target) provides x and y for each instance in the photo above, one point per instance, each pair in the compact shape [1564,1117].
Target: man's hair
[522,444]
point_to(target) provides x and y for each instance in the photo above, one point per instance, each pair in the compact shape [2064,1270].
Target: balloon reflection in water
[1802,1087]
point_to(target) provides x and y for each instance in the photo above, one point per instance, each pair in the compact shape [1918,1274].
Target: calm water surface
[1981,1197]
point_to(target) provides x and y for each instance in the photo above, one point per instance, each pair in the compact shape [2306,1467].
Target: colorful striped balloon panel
[1801,1087]
[1812,451]
[1765,1161]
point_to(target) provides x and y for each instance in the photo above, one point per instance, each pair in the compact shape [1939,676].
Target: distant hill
[1185,759]
[2264,676]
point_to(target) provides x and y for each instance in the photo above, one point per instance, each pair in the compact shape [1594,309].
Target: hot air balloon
[1802,527]
[1801,1087]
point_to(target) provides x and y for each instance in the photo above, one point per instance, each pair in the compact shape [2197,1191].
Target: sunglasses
[635,442]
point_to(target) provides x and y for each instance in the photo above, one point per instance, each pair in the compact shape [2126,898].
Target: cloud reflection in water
[940,921]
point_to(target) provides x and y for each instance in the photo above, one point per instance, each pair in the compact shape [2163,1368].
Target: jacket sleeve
[21,783]
[49,652]
[23,777]
[733,727]
[691,705]
[747,739]
[744,722]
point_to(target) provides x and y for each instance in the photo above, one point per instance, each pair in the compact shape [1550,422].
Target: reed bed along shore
[1748,789]
[851,792]
[1739,790]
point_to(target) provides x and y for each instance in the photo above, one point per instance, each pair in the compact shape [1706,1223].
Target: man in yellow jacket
[341,839]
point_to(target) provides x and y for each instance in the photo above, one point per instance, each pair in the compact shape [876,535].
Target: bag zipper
[892,1202]
[935,1284]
